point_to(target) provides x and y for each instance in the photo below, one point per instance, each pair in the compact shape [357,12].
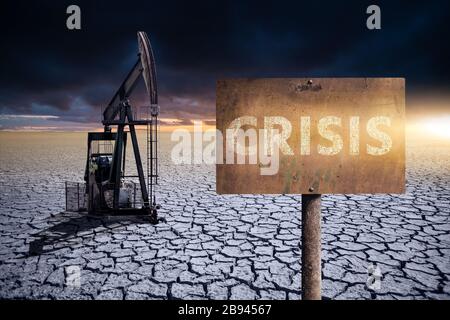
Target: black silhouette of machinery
[106,189]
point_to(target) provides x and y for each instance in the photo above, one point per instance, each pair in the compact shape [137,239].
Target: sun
[438,127]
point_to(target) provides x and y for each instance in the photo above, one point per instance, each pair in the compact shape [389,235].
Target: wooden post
[311,247]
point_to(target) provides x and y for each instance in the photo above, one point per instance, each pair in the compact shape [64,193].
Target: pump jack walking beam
[145,66]
[123,93]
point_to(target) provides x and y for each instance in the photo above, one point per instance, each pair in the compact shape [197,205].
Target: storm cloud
[50,71]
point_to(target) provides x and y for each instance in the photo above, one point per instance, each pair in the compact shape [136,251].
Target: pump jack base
[148,214]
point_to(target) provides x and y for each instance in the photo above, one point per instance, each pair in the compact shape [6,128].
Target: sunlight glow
[438,127]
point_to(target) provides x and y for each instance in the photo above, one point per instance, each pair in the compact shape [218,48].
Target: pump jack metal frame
[119,113]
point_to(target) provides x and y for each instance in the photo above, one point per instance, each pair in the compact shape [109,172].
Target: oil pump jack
[106,190]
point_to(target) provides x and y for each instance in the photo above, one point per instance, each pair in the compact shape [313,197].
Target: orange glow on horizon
[437,127]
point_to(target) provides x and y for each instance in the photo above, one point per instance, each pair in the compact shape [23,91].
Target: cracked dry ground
[216,247]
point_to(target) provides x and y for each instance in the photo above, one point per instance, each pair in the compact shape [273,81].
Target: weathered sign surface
[335,135]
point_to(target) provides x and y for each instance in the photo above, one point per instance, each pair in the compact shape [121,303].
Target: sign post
[311,253]
[310,137]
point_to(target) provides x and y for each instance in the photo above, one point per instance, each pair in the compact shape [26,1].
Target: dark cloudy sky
[53,77]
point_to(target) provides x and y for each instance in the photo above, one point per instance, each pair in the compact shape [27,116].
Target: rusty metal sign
[310,136]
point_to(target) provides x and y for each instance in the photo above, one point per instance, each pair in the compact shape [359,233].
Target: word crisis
[325,129]
[244,144]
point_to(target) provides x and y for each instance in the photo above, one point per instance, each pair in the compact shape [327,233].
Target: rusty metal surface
[317,98]
[311,247]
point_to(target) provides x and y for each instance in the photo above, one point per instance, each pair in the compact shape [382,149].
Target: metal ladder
[152,152]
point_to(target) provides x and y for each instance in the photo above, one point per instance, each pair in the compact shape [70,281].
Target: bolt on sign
[310,136]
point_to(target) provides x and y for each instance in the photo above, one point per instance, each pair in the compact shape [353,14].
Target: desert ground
[211,246]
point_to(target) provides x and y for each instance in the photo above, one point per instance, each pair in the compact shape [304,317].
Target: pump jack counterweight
[106,190]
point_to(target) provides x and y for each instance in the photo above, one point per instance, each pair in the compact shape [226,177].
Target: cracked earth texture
[215,247]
